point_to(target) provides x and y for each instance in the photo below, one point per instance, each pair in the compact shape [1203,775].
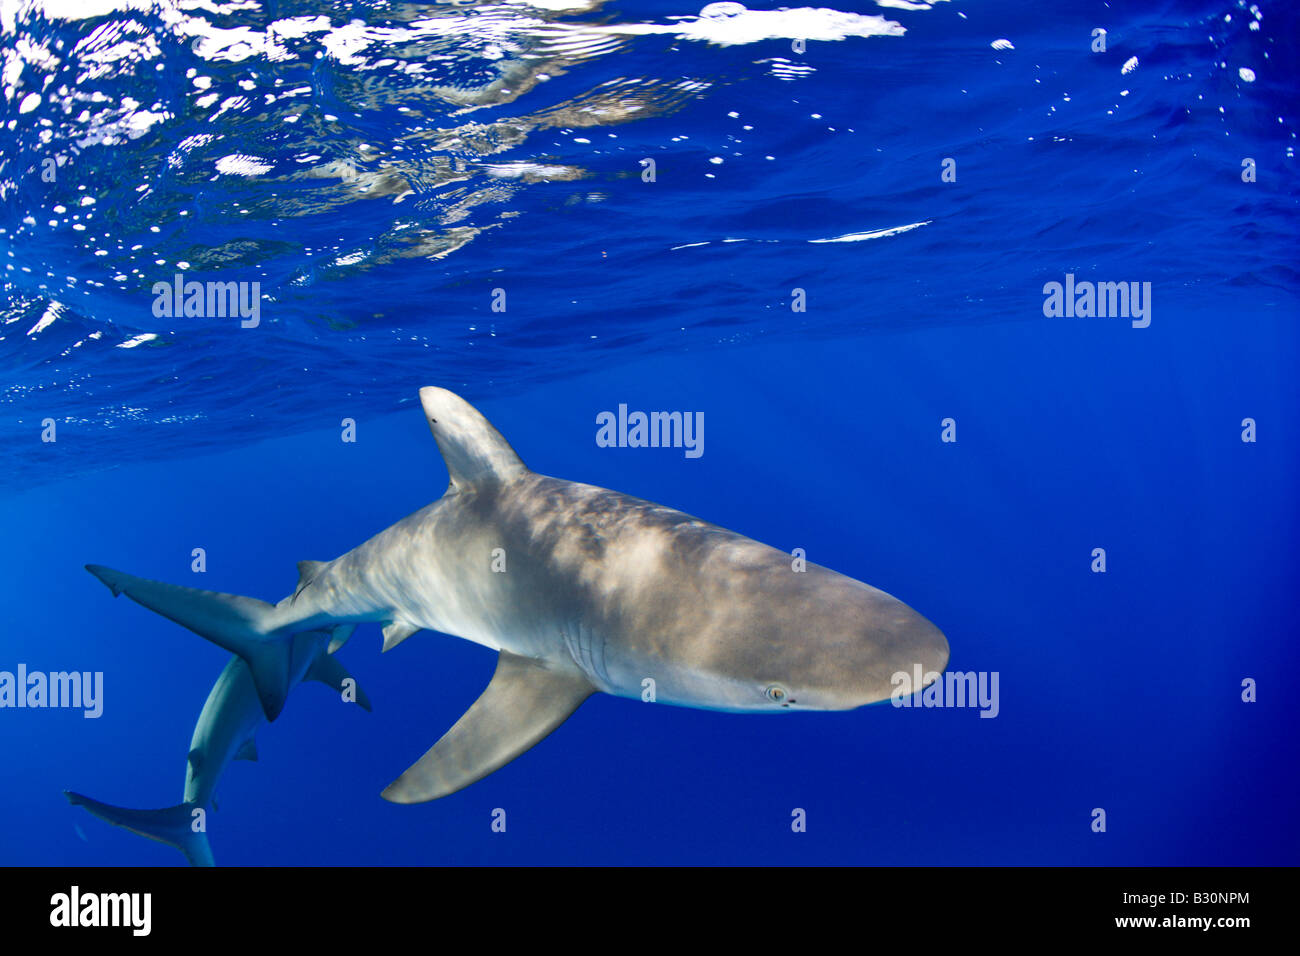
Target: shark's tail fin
[174,826]
[241,625]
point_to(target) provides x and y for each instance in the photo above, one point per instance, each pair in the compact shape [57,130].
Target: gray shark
[224,732]
[578,589]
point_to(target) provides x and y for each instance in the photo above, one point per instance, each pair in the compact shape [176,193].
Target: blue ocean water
[797,269]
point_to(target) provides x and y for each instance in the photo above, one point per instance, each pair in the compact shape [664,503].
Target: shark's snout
[906,644]
[885,643]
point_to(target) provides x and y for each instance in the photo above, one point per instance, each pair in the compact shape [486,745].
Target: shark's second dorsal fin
[474,451]
[524,702]
[307,571]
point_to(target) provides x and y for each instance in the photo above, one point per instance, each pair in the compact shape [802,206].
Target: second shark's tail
[242,625]
[174,826]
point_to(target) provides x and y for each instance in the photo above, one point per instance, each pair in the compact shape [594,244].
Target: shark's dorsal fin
[524,702]
[474,451]
[248,751]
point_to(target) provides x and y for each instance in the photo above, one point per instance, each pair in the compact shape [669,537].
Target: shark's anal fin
[395,632]
[524,702]
[328,671]
[248,751]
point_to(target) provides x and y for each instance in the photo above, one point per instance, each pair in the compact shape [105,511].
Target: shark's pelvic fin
[474,451]
[171,825]
[524,702]
[341,635]
[236,623]
[395,632]
[328,671]
[248,751]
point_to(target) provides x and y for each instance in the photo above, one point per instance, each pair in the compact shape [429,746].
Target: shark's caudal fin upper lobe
[174,826]
[239,624]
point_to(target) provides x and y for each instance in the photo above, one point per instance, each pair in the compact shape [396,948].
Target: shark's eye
[776,692]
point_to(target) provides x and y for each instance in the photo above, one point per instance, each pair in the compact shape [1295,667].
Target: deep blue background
[1118,690]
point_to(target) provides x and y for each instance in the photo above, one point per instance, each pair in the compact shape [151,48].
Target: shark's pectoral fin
[331,673]
[397,631]
[524,702]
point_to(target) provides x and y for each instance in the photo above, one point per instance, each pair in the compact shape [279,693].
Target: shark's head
[817,641]
[854,653]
